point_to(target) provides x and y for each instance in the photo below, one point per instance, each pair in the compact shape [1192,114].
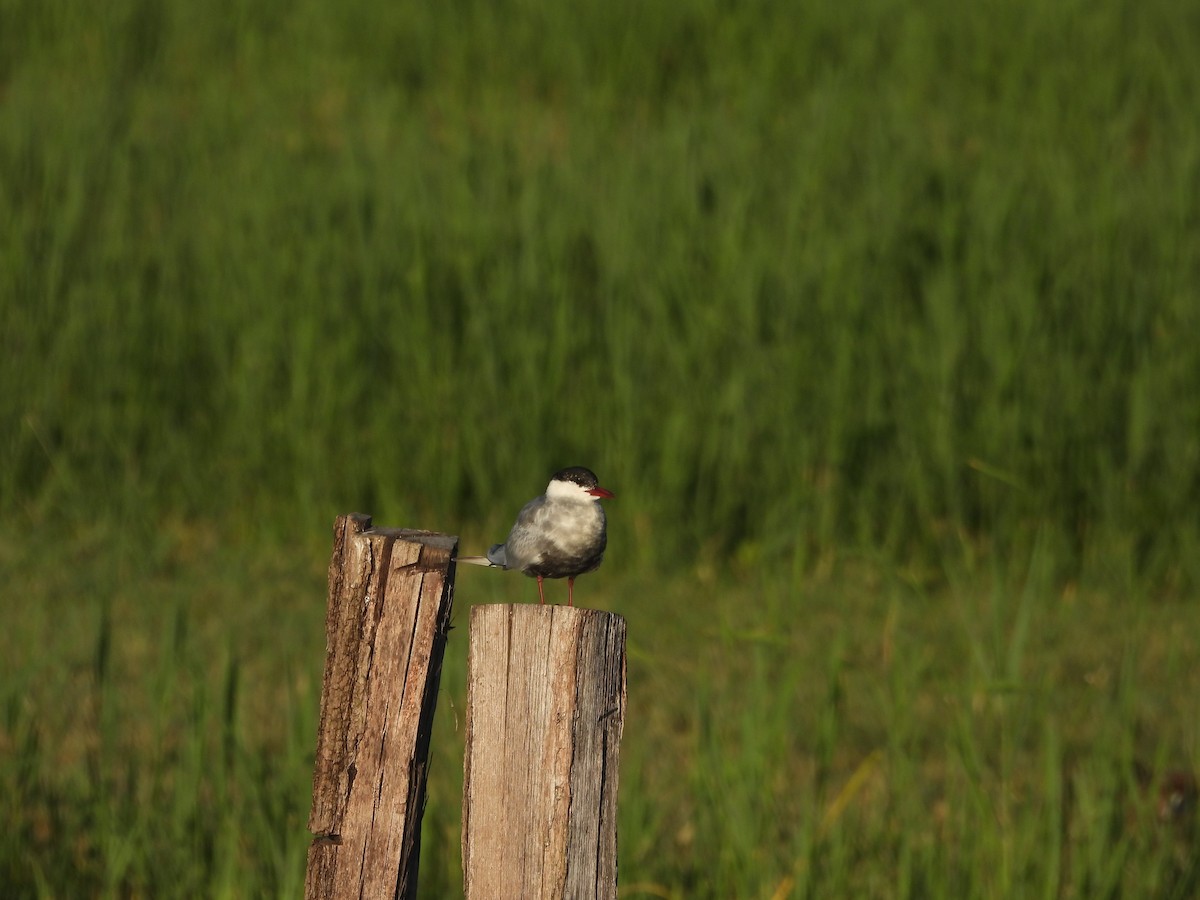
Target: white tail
[475,560]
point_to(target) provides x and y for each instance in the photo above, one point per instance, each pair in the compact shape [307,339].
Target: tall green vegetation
[889,276]
[881,318]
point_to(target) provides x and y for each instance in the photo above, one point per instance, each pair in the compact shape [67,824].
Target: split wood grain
[545,712]
[390,599]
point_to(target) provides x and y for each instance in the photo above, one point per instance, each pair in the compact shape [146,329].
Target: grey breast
[572,540]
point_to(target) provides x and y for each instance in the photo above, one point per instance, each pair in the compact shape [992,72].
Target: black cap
[581,476]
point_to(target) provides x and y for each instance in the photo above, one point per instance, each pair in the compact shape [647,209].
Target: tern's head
[576,483]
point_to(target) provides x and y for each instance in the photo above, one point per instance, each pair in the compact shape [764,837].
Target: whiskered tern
[560,534]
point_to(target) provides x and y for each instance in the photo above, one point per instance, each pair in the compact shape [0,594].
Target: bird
[561,534]
[1177,798]
[1174,793]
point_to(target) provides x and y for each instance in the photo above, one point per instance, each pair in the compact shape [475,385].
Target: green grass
[880,319]
[851,735]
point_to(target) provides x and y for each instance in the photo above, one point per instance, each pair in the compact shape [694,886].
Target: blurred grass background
[880,318]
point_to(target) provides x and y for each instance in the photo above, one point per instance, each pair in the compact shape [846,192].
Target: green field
[882,319]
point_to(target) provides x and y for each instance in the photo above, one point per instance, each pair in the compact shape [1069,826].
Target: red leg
[541,596]
[571,591]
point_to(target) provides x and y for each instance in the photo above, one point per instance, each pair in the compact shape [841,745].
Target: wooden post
[390,596]
[545,710]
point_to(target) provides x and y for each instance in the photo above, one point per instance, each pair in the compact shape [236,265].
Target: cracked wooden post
[390,596]
[545,710]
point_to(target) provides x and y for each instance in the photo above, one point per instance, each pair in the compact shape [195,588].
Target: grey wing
[530,513]
[521,549]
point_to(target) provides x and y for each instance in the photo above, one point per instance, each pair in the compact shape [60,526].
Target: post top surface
[445,542]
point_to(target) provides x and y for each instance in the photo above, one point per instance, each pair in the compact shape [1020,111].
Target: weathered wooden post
[545,709]
[390,596]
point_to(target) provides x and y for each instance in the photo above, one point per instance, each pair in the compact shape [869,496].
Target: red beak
[601,492]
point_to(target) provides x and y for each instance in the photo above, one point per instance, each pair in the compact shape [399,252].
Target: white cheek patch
[567,490]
